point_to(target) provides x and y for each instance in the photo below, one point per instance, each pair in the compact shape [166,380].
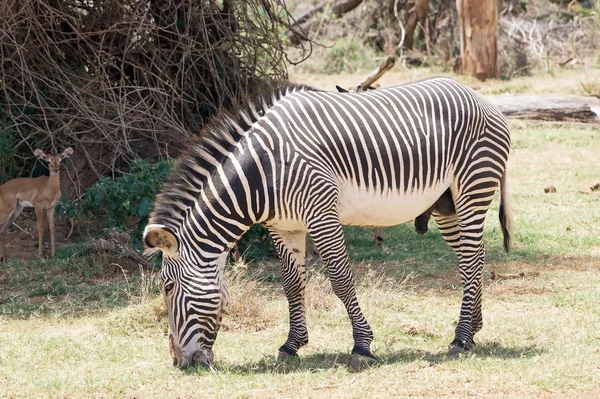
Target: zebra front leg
[291,247]
[326,231]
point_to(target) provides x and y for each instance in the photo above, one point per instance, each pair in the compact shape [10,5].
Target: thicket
[124,202]
[125,79]
[121,81]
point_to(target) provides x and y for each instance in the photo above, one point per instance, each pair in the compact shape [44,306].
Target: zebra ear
[159,237]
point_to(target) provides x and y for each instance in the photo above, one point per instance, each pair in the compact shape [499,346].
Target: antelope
[41,193]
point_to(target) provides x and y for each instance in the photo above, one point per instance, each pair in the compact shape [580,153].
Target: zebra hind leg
[327,233]
[291,249]
[471,260]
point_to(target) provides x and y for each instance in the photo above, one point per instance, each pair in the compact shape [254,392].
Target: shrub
[124,202]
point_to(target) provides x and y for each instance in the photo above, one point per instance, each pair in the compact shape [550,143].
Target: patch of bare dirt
[21,239]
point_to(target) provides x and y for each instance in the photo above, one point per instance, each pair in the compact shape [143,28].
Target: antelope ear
[66,153]
[158,237]
[39,154]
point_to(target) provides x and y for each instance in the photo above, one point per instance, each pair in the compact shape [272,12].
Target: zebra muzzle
[202,358]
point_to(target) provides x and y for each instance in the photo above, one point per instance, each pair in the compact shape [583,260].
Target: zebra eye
[168,287]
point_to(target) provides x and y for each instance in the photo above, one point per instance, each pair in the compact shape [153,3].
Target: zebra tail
[505,212]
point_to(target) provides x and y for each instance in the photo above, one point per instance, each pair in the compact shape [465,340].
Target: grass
[83,325]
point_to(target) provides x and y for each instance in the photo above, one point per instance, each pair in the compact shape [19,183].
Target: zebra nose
[202,357]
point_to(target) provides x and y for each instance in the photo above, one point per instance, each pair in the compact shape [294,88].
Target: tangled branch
[124,78]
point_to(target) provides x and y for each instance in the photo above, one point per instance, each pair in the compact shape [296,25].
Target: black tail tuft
[505,228]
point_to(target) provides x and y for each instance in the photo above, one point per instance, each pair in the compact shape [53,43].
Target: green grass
[85,325]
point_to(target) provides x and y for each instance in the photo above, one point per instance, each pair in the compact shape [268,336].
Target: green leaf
[99,197]
[144,207]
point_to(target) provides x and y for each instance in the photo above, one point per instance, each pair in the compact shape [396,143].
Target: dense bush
[11,166]
[124,202]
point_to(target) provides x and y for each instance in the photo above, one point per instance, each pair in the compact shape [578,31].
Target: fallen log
[549,108]
[118,242]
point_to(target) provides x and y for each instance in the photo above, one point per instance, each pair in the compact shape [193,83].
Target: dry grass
[540,343]
[249,301]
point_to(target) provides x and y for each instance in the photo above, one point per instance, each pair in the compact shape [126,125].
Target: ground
[22,237]
[87,325]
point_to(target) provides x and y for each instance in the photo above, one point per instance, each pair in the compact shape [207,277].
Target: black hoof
[284,353]
[361,358]
[459,347]
[420,231]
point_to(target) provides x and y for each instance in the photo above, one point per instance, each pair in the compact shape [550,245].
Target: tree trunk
[417,11]
[478,20]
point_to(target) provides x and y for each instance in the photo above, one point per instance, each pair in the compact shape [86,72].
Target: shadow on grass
[329,360]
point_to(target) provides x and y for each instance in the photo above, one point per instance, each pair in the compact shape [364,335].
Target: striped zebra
[304,161]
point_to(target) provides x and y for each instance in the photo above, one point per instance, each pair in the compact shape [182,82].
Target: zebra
[298,160]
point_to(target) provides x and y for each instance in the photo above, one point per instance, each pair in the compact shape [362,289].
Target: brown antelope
[41,193]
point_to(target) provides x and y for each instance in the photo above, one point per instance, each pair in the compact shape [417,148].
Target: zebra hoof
[361,359]
[284,353]
[420,230]
[359,362]
[459,348]
[281,356]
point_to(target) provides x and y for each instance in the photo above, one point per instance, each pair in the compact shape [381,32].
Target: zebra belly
[361,207]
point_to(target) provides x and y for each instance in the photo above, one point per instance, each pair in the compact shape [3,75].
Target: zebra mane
[216,141]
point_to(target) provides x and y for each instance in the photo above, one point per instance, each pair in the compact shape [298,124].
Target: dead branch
[374,76]
[299,30]
[503,276]
[118,241]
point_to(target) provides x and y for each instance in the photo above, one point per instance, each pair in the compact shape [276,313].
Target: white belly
[359,207]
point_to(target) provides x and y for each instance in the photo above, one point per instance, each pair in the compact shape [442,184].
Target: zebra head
[195,294]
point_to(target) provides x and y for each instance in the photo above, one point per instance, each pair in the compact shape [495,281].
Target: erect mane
[218,138]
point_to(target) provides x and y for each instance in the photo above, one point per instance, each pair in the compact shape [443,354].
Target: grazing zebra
[303,161]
